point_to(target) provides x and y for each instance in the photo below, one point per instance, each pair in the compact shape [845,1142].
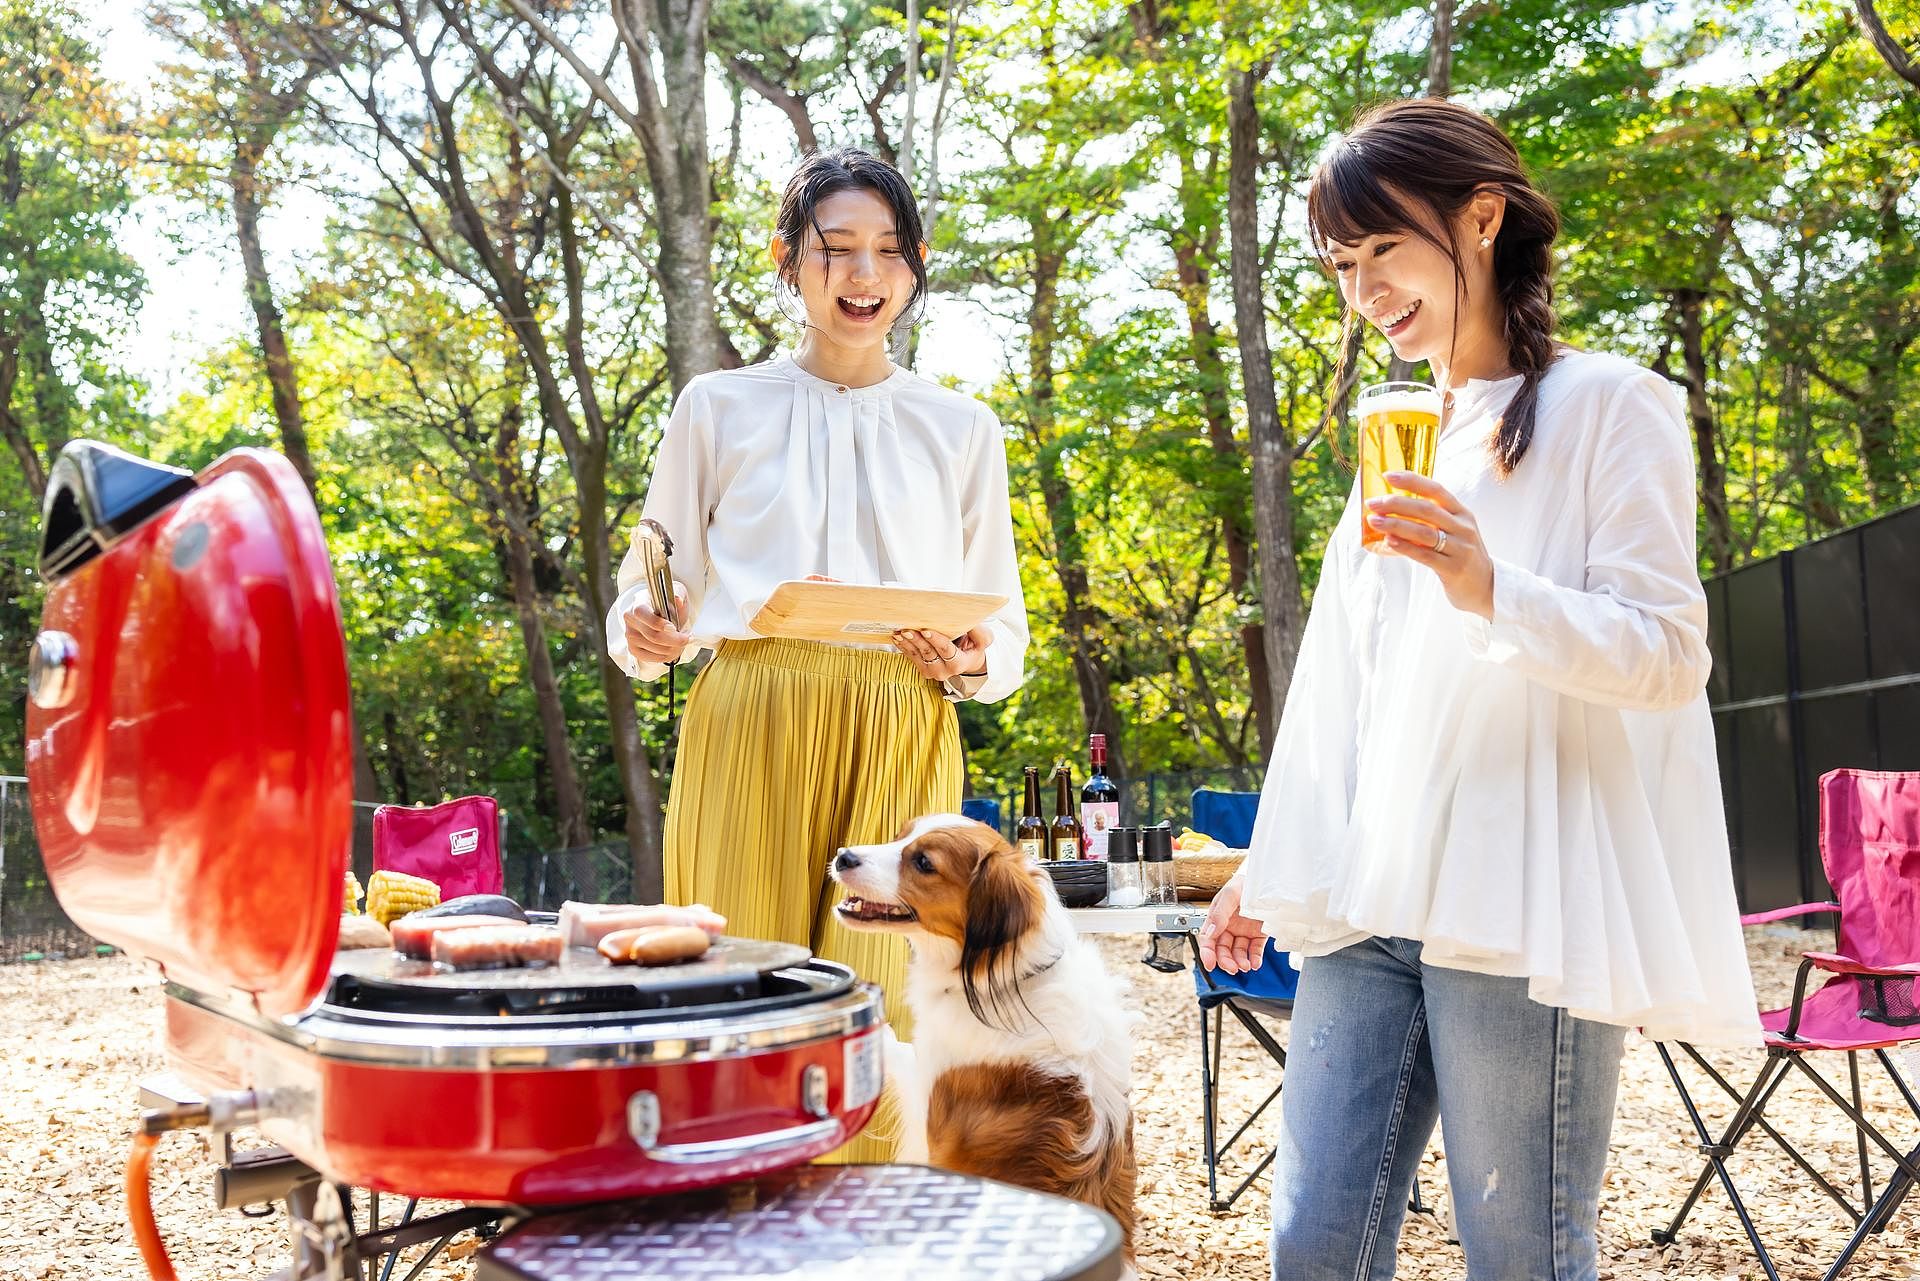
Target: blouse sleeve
[680,496]
[990,564]
[1635,634]
[1307,800]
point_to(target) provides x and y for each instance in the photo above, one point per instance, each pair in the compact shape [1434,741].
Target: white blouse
[1537,796]
[769,473]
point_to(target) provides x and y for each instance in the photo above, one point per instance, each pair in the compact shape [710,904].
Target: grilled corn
[391,895]
[351,890]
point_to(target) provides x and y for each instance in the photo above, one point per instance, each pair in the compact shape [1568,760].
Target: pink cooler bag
[455,844]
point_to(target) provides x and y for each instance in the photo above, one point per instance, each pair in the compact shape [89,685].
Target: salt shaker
[1124,886]
[1156,866]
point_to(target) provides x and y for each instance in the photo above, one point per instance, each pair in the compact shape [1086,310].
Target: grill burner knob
[51,677]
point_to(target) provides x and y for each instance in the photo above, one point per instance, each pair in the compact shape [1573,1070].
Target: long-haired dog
[1021,1059]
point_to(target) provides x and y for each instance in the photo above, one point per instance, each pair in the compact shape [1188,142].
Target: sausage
[497,946]
[655,945]
[585,924]
[413,934]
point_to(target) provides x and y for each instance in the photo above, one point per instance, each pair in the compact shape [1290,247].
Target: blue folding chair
[982,809]
[1266,992]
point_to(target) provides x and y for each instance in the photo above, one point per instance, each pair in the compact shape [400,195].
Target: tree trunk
[669,120]
[1282,613]
[1897,58]
[12,428]
[1440,51]
[1080,620]
[1686,312]
[243,180]
[1230,505]
[569,800]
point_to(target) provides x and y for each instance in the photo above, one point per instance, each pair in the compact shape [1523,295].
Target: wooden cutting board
[850,612]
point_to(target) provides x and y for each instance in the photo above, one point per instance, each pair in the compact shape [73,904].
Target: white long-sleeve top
[769,473]
[1538,795]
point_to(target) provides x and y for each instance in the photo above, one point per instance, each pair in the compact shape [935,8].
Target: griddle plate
[730,962]
[821,1223]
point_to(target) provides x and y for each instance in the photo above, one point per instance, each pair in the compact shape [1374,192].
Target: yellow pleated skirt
[788,751]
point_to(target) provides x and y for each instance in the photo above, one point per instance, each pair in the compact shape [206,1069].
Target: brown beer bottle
[1066,839]
[1030,833]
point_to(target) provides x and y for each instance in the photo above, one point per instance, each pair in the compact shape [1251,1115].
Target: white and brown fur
[1021,1060]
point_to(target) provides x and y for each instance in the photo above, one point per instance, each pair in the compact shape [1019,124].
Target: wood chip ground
[76,1037]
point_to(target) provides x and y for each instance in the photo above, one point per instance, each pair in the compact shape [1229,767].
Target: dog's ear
[1003,905]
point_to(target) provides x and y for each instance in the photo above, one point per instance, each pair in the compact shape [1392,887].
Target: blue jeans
[1381,1047]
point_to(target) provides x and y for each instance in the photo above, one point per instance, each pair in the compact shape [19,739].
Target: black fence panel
[1816,667]
[32,926]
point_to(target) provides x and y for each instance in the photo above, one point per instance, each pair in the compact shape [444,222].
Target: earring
[1486,242]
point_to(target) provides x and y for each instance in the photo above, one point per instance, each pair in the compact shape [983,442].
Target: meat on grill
[497,946]
[585,924]
[413,934]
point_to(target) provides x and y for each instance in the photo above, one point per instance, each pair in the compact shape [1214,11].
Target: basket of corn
[1201,865]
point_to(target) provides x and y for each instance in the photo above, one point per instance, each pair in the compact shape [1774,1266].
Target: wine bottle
[1064,838]
[1030,833]
[1099,801]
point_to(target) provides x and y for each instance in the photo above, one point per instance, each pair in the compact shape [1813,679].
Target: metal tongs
[654,545]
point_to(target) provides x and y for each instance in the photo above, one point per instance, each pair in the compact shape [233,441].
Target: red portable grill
[190,769]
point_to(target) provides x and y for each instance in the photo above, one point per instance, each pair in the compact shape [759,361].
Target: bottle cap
[1157,842]
[1123,845]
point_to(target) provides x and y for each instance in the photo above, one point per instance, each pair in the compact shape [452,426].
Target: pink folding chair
[1870,847]
[455,844]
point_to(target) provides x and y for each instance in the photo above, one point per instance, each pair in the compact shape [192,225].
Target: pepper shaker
[1156,866]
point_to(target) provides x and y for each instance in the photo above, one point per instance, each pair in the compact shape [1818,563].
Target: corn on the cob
[391,895]
[351,890]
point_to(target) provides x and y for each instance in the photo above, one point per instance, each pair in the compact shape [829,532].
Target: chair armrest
[1834,963]
[1787,913]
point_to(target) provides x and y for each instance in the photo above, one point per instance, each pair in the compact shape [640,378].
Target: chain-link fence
[32,926]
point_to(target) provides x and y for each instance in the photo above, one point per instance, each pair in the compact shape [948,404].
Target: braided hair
[1431,156]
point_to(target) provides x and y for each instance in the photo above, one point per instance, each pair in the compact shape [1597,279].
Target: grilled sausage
[655,945]
[585,924]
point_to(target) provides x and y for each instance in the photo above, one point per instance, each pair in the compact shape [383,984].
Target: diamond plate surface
[821,1223]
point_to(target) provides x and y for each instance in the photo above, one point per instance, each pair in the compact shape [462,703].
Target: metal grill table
[821,1223]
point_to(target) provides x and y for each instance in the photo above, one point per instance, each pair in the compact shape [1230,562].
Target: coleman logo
[465,841]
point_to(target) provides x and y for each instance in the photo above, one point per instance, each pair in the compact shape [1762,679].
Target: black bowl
[1078,882]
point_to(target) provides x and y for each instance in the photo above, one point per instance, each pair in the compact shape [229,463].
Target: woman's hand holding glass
[653,639]
[1427,524]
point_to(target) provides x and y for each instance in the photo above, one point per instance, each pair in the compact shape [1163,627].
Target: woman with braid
[1491,828]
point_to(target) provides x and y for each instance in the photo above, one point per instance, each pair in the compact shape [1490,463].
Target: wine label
[1035,850]
[1066,848]
[1098,819]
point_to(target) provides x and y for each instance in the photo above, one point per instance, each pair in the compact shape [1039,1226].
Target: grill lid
[189,743]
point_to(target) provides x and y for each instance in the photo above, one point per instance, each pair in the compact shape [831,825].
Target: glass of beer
[1399,431]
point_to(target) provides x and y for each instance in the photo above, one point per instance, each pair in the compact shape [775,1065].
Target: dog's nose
[846,860]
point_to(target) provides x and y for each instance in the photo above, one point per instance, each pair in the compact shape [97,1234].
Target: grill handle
[643,1124]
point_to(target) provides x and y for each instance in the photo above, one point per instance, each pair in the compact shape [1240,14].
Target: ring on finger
[1440,543]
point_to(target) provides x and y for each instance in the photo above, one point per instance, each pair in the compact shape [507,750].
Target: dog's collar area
[1022,977]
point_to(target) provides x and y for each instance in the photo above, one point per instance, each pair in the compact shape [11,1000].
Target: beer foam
[1409,400]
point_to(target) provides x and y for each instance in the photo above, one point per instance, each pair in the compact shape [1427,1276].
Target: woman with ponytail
[1492,827]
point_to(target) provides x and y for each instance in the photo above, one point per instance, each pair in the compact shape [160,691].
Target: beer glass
[1399,431]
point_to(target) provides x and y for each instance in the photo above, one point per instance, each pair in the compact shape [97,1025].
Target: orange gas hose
[140,1208]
